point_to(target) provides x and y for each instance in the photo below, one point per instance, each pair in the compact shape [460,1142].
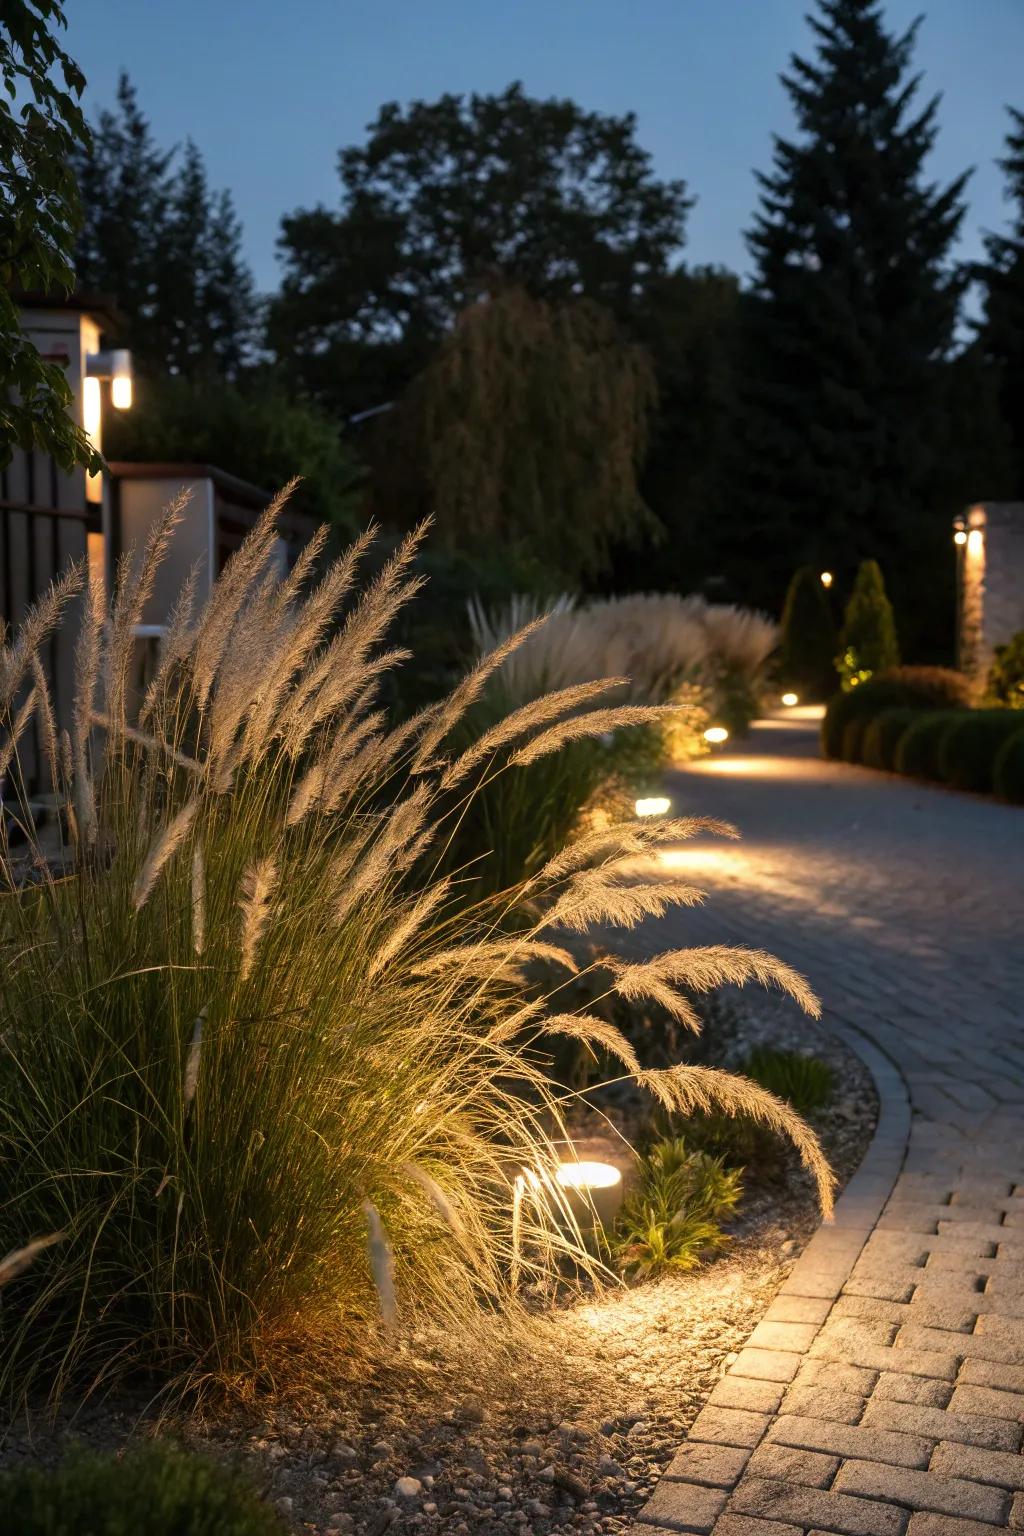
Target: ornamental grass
[268,1083]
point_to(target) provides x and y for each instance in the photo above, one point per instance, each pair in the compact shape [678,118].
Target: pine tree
[166,247]
[851,320]
[808,646]
[1002,333]
[868,642]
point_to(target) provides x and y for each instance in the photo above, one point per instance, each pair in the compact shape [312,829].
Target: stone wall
[991,583]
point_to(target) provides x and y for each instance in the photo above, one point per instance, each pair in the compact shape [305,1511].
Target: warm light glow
[975,543]
[715,734]
[587,1175]
[657,805]
[121,391]
[91,409]
[789,699]
[960,537]
[826,578]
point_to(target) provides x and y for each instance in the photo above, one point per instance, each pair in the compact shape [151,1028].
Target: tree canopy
[526,432]
[852,320]
[1002,331]
[457,198]
[167,247]
[41,124]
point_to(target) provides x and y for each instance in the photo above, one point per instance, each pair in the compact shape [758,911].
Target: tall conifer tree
[851,323]
[1002,334]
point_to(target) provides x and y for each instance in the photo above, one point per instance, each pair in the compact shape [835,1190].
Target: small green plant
[1006,675]
[803,1081]
[868,643]
[808,637]
[157,1488]
[672,1219]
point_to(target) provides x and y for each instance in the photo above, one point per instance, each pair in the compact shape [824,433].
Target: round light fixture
[826,578]
[960,537]
[715,734]
[789,699]
[656,805]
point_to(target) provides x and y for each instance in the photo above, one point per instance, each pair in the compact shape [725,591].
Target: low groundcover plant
[265,1085]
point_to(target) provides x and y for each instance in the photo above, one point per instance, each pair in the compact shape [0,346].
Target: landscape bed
[568,1431]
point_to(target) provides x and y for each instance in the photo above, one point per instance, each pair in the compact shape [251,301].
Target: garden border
[754,1383]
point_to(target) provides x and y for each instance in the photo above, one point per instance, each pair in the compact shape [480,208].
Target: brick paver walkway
[883,1394]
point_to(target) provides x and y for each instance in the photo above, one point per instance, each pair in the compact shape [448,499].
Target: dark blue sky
[270,90]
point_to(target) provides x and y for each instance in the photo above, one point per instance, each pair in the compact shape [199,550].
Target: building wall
[991,583]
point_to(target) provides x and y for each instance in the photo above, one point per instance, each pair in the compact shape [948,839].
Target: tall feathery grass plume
[269,1080]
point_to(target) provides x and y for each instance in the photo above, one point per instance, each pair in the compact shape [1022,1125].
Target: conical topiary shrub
[868,643]
[808,645]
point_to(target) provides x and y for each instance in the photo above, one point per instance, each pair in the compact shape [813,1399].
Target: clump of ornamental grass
[267,1087]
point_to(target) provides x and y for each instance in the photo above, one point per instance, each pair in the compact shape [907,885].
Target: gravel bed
[568,1431]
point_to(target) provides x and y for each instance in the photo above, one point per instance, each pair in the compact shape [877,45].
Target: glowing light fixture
[789,699]
[121,391]
[960,537]
[587,1175]
[91,409]
[715,734]
[592,1190]
[657,805]
[826,578]
[975,543]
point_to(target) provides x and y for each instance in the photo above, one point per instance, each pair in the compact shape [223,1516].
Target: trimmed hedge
[968,750]
[1008,769]
[899,688]
[917,751]
[853,738]
[882,736]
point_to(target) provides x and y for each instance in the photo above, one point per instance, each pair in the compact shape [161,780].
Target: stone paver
[883,1393]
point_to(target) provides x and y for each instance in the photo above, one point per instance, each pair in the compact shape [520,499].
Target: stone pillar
[991,583]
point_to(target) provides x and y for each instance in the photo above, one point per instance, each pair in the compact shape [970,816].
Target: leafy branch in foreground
[269,1079]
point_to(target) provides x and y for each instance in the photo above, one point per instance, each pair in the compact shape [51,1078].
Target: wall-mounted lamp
[116,366]
[975,543]
[826,578]
[960,536]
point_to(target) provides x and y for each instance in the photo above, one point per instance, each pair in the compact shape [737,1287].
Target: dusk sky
[270,91]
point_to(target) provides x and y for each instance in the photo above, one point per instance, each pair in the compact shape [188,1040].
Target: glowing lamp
[789,699]
[975,543]
[593,1190]
[121,391]
[657,805]
[91,409]
[960,537]
[826,578]
[716,734]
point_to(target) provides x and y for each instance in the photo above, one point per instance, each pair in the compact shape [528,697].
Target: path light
[716,734]
[657,805]
[826,578]
[593,1190]
[789,699]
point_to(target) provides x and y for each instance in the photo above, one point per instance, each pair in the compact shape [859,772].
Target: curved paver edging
[694,1488]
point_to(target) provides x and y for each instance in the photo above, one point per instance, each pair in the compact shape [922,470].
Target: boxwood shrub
[967,751]
[882,737]
[1008,769]
[917,751]
[929,688]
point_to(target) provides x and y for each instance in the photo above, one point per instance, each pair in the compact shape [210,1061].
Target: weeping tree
[527,431]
